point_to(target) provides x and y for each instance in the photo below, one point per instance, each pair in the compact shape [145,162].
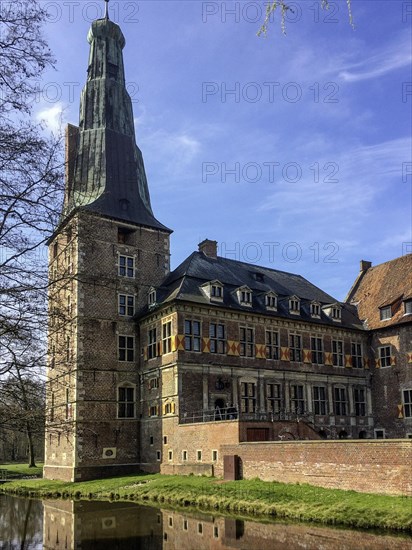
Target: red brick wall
[365,466]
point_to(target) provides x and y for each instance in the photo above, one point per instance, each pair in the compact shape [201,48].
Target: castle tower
[105,255]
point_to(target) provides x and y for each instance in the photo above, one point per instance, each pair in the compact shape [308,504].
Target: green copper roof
[106,169]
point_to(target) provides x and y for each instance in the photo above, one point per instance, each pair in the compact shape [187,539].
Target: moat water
[27,524]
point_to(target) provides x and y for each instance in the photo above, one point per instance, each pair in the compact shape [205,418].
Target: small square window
[379,434]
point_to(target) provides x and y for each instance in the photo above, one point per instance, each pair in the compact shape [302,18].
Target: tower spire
[106,172]
[106,13]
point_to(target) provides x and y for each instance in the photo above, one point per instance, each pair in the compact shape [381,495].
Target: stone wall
[365,466]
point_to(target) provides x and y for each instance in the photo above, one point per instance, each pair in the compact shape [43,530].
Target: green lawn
[297,502]
[18,470]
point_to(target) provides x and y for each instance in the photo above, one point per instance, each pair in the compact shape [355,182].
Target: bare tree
[30,179]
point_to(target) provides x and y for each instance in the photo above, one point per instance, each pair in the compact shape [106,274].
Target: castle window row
[338,353]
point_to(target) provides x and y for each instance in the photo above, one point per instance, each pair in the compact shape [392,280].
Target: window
[360,401]
[199,456]
[408,307]
[126,348]
[379,434]
[126,305]
[200,528]
[386,313]
[319,400]
[214,456]
[216,532]
[248,397]
[356,351]
[170,455]
[167,337]
[192,335]
[152,297]
[217,338]
[247,348]
[125,402]
[297,401]
[151,440]
[407,403]
[271,301]
[336,313]
[168,408]
[385,356]
[294,305]
[153,383]
[272,345]
[295,347]
[184,456]
[165,440]
[245,297]
[337,353]
[152,344]
[158,456]
[340,402]
[126,266]
[185,525]
[273,398]
[315,309]
[316,346]
[153,410]
[216,291]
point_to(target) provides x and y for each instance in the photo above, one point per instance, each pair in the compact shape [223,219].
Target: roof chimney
[209,248]
[364,265]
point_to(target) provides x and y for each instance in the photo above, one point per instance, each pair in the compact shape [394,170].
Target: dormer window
[294,305]
[152,297]
[334,311]
[315,309]
[408,307]
[385,313]
[213,290]
[244,295]
[271,301]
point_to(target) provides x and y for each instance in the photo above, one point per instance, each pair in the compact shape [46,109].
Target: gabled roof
[385,284]
[184,284]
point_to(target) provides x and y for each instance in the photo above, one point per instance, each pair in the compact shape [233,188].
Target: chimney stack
[364,265]
[209,248]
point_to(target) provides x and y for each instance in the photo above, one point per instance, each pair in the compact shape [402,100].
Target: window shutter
[159,348]
[307,356]
[158,410]
[173,407]
[400,411]
[348,361]
[393,360]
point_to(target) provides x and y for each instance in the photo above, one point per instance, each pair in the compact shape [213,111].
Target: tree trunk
[32,463]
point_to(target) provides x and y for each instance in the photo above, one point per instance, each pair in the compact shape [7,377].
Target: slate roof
[386,284]
[184,284]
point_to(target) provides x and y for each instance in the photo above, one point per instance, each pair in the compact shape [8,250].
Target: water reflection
[103,525]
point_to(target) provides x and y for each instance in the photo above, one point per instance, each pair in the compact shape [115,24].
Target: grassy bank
[13,470]
[297,502]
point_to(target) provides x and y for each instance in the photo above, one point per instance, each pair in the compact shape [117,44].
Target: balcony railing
[223,415]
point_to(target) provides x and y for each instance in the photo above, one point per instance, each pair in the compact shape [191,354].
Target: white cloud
[395,56]
[52,117]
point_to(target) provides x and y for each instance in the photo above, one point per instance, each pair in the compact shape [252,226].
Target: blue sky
[292,151]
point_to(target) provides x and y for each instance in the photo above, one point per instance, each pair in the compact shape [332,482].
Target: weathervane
[106,14]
